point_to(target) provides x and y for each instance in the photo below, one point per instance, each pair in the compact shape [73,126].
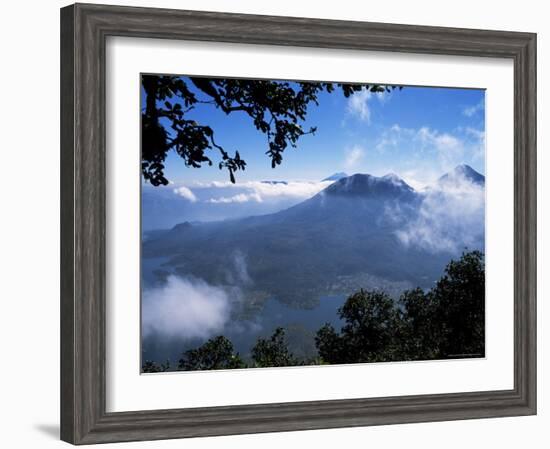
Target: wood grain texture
[67,226]
[84,29]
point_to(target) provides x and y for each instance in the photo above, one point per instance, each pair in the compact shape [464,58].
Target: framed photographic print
[274,223]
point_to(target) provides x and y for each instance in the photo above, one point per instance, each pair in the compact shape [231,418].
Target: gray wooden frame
[83,31]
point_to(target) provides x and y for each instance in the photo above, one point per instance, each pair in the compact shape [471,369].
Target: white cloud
[359,104]
[389,139]
[422,154]
[420,178]
[478,142]
[257,191]
[450,218]
[472,110]
[475,133]
[354,156]
[450,150]
[184,308]
[218,184]
[441,141]
[186,193]
[240,275]
[239,198]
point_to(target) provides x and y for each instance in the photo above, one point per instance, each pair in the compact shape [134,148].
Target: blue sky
[418,133]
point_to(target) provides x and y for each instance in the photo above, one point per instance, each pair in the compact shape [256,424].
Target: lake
[300,324]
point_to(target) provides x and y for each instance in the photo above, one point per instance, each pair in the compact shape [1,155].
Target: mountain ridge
[366,184]
[339,240]
[335,176]
[462,172]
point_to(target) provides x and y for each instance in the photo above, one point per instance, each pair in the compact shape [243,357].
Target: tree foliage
[153,367]
[368,335]
[277,109]
[419,330]
[273,351]
[216,353]
[460,307]
[448,321]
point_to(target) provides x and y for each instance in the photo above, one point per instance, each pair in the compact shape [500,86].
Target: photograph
[295,223]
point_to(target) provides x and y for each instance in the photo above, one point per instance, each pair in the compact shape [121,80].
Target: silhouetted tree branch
[276,109]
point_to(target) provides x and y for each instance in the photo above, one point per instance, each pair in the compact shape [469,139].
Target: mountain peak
[393,178]
[465,169]
[181,227]
[369,185]
[335,176]
[462,172]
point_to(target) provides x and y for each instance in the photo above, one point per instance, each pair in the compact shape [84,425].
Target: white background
[30,225]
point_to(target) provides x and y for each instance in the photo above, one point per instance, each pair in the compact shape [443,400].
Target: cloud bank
[165,206]
[451,217]
[261,191]
[184,308]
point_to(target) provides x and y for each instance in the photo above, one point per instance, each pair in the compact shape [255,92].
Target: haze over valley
[301,249]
